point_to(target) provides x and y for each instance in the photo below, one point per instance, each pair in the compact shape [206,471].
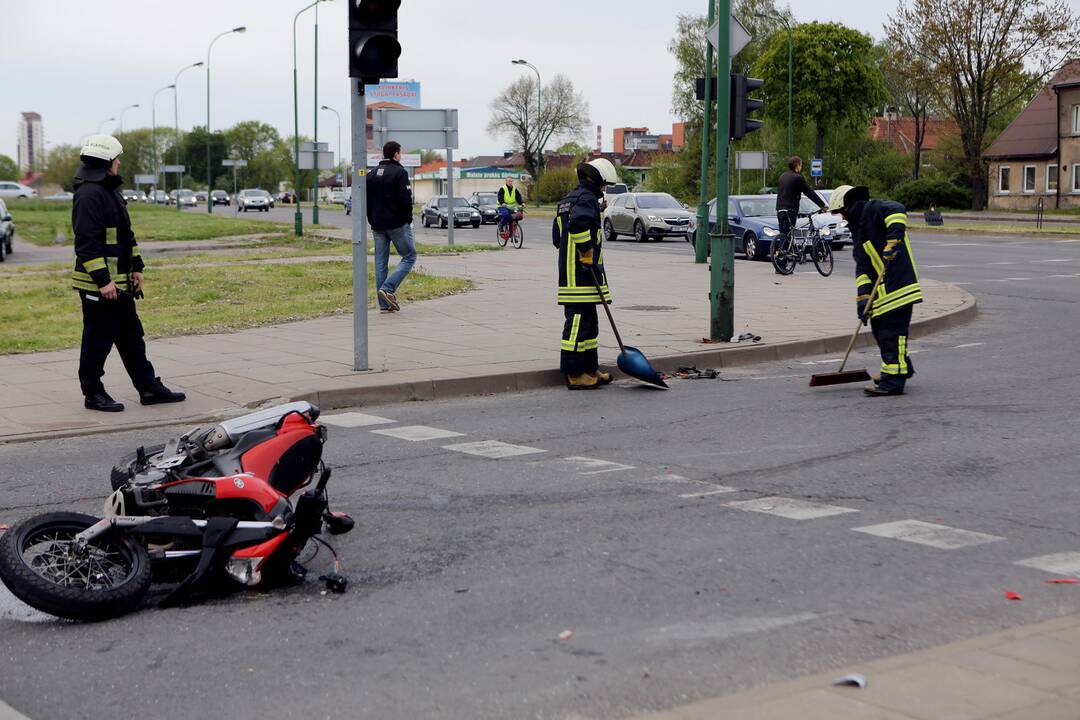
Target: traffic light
[742,105]
[373,45]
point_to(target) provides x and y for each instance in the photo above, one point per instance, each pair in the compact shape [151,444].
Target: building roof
[1034,132]
[900,132]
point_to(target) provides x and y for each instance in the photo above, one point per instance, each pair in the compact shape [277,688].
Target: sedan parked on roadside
[62,196]
[158,197]
[648,215]
[487,204]
[435,213]
[251,199]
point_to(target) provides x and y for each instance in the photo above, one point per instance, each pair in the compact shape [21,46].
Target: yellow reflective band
[903,354]
[135,252]
[896,303]
[95,264]
[875,259]
[110,236]
[896,218]
[574,327]
[901,291]
[863,280]
[79,285]
[911,257]
[887,369]
[593,344]
[76,275]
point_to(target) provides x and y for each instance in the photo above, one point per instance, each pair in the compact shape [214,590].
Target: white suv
[10,189]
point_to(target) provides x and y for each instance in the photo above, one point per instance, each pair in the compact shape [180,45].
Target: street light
[129,107]
[341,156]
[102,123]
[153,130]
[176,123]
[539,150]
[783,19]
[298,221]
[209,167]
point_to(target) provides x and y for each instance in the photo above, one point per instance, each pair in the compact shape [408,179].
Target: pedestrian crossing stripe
[354,419]
[942,537]
[494,449]
[1064,563]
[789,508]
[417,433]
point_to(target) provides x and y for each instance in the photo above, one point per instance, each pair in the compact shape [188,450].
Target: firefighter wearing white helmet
[108,276]
[576,233]
[881,248]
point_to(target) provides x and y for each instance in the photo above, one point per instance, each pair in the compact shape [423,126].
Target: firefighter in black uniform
[108,276]
[881,245]
[576,233]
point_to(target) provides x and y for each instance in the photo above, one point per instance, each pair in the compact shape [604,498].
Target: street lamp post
[121,116]
[176,124]
[790,70]
[539,111]
[298,219]
[153,130]
[209,167]
[315,80]
[341,156]
[102,123]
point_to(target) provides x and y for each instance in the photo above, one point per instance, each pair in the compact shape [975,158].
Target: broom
[841,376]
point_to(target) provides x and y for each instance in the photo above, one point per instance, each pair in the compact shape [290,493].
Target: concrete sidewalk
[1029,673]
[502,336]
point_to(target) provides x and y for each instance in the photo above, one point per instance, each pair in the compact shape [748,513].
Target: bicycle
[800,242]
[511,232]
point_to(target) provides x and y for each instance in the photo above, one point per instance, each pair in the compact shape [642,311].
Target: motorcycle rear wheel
[41,567]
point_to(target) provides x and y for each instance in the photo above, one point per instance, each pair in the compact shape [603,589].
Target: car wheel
[639,231]
[475,224]
[609,232]
[442,223]
[750,247]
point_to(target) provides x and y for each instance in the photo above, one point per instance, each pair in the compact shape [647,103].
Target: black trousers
[107,323]
[891,333]
[579,340]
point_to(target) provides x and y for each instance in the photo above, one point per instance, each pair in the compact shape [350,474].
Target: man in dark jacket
[108,275]
[881,247]
[576,232]
[789,192]
[389,211]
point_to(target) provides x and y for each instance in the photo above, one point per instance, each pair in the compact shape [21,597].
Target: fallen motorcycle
[213,504]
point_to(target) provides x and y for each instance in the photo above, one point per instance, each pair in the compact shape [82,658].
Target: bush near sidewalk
[39,311]
[39,222]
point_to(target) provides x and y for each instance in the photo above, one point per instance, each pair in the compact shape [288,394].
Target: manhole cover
[651,308]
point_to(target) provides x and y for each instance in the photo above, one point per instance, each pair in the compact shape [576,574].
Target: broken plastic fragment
[566,634]
[854,680]
[1010,595]
[1054,581]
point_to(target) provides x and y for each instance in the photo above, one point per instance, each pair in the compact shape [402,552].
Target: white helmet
[606,170]
[103,147]
[845,196]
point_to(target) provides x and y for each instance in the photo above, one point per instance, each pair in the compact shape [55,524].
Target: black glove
[860,308]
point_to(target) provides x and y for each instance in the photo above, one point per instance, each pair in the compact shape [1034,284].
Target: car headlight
[769,232]
[652,218]
[826,232]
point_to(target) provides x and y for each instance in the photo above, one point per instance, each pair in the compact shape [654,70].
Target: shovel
[631,360]
[840,376]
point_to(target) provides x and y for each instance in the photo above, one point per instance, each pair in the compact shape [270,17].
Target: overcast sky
[78,62]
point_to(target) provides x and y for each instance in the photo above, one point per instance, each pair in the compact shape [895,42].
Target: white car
[338,196]
[253,200]
[10,189]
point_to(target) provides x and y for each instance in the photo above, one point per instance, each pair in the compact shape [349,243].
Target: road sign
[752,160]
[234,163]
[172,168]
[407,159]
[815,167]
[312,147]
[740,38]
[425,129]
[145,179]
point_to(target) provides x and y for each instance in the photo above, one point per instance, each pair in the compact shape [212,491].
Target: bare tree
[910,85]
[974,51]
[564,115]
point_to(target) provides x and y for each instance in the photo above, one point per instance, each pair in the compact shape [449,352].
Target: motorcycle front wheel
[42,566]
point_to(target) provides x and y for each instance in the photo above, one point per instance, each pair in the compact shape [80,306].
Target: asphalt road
[721,535]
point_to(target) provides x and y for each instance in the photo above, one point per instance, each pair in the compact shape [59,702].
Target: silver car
[7,231]
[648,215]
[253,200]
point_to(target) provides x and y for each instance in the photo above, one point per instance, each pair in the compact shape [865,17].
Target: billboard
[404,93]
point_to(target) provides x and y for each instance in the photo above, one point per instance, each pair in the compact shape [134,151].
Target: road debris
[852,680]
[1010,595]
[1054,581]
[692,373]
[748,336]
[566,634]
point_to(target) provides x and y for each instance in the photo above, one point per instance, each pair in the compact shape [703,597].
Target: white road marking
[1055,260]
[720,490]
[593,466]
[672,477]
[942,537]
[960,244]
[494,449]
[1066,563]
[1006,262]
[417,433]
[789,508]
[1019,279]
[354,419]
[966,345]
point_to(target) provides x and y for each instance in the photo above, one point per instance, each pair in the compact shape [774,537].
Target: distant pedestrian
[789,193]
[880,244]
[389,211]
[108,275]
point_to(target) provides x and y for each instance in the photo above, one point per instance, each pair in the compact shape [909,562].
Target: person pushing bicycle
[789,192]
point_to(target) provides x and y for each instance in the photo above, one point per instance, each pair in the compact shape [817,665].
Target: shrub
[921,194]
[556,183]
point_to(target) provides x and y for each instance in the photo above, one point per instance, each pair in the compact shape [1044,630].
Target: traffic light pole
[701,243]
[358,107]
[721,242]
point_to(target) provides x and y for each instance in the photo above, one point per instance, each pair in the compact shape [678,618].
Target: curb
[721,357]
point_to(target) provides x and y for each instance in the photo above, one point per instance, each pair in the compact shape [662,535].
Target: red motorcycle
[213,504]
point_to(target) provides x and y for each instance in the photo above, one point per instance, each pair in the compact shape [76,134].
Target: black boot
[158,393]
[102,401]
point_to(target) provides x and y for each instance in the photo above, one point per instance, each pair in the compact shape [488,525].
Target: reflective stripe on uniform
[896,218]
[80,285]
[135,252]
[586,345]
[95,264]
[898,299]
[887,369]
[875,259]
[863,280]
[902,344]
[110,236]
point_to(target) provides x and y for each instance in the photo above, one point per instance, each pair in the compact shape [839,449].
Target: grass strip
[1001,229]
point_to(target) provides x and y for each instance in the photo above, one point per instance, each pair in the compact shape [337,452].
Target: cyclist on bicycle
[789,192]
[509,199]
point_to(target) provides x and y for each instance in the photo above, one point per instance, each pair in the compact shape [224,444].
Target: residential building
[1038,156]
[628,139]
[900,133]
[31,143]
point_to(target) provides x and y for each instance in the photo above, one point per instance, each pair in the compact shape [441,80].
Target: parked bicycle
[509,228]
[801,242]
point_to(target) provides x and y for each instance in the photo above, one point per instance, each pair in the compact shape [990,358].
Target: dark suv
[487,203]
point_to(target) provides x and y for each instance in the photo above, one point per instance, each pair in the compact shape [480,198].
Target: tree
[565,115]
[193,156]
[428,156]
[579,151]
[835,79]
[910,87]
[976,53]
[138,157]
[8,169]
[63,164]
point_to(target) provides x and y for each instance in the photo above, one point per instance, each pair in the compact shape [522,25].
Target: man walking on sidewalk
[881,246]
[108,276]
[389,211]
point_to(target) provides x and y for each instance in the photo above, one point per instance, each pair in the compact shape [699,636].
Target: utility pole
[315,207]
[701,244]
[721,242]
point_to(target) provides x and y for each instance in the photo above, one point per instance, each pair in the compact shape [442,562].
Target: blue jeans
[504,216]
[402,238]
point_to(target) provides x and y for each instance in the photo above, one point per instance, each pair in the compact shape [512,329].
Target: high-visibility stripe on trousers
[891,333]
[579,340]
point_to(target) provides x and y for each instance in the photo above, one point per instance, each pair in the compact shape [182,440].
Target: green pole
[701,246]
[722,245]
[790,144]
[209,172]
[315,209]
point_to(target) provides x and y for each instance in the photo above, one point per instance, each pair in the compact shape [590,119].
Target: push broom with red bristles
[842,376]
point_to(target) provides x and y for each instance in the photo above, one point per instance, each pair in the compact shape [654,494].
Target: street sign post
[145,179]
[751,160]
[233,164]
[173,168]
[816,167]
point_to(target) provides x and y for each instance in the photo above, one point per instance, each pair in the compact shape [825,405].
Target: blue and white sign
[815,167]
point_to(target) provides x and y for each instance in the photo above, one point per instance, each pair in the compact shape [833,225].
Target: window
[1076,178]
[1004,173]
[1029,178]
[1051,178]
[1076,119]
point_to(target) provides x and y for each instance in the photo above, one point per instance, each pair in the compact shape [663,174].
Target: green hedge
[556,183]
[921,194]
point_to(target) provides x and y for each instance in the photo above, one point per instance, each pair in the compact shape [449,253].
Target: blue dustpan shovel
[631,360]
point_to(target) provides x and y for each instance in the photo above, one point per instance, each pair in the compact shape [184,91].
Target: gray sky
[78,62]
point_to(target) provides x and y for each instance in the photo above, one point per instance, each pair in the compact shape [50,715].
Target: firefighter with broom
[887,280]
